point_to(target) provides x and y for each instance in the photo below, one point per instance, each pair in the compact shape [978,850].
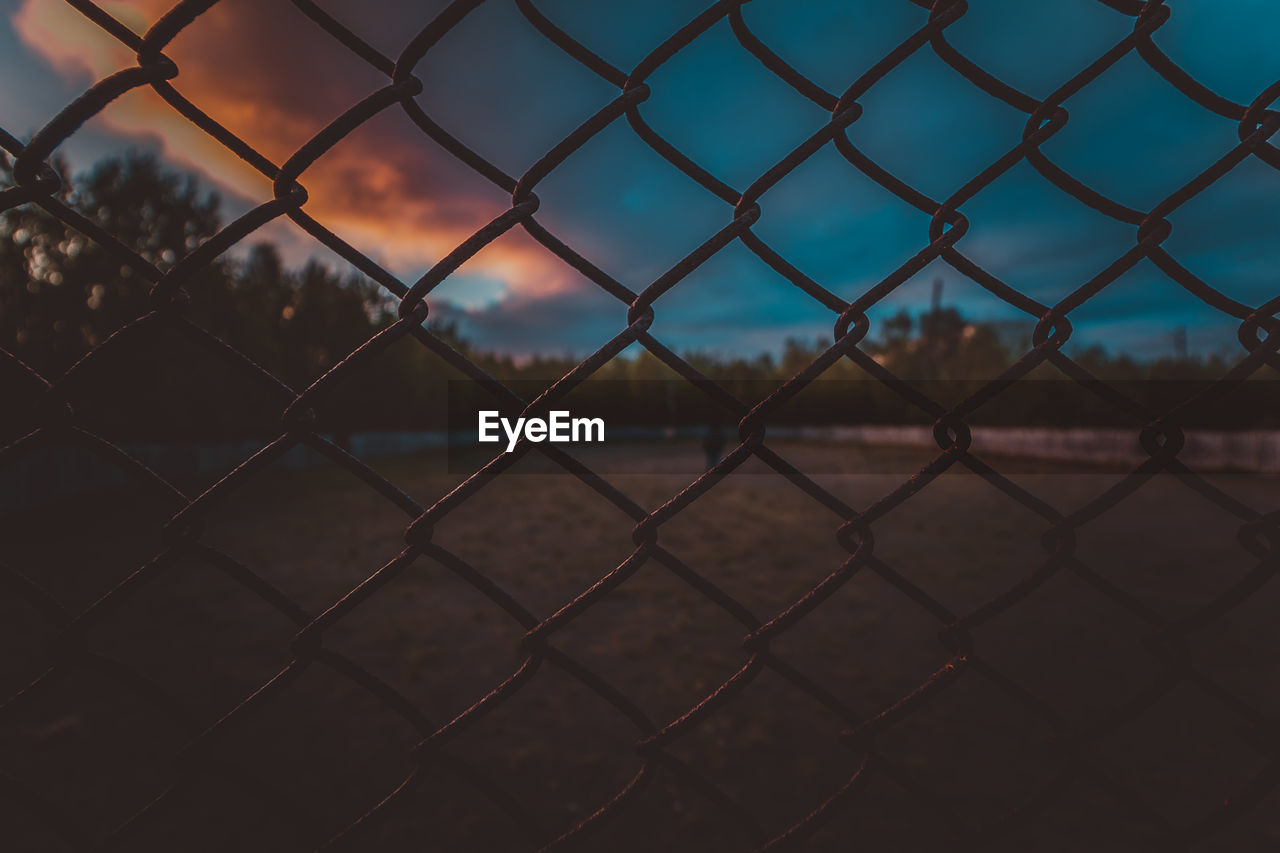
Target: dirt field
[971,752]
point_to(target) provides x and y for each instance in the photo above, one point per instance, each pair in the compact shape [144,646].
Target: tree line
[62,295]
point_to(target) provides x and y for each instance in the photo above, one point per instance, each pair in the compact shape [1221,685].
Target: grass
[333,750]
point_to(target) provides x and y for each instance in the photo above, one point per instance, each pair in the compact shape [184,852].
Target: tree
[61,294]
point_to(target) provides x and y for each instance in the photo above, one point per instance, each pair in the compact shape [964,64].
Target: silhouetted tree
[61,295]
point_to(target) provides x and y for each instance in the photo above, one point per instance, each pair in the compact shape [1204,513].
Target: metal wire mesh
[53,417]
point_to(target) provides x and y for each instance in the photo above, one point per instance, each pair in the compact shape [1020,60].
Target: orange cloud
[387,189]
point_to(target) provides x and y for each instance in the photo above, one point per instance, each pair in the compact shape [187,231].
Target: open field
[965,756]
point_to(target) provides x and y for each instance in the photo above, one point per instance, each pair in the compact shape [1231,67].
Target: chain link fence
[47,406]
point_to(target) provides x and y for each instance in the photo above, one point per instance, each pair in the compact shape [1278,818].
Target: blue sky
[508,93]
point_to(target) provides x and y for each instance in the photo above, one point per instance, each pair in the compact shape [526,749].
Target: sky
[275,78]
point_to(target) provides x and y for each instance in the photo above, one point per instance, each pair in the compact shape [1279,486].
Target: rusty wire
[1162,438]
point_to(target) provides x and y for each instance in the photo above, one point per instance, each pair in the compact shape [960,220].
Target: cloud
[275,79]
[577,321]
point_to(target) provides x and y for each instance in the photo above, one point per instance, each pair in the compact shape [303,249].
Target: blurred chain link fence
[53,417]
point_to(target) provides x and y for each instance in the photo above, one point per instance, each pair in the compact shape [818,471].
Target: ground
[1159,739]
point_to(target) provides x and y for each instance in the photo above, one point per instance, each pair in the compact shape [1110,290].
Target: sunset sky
[275,78]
